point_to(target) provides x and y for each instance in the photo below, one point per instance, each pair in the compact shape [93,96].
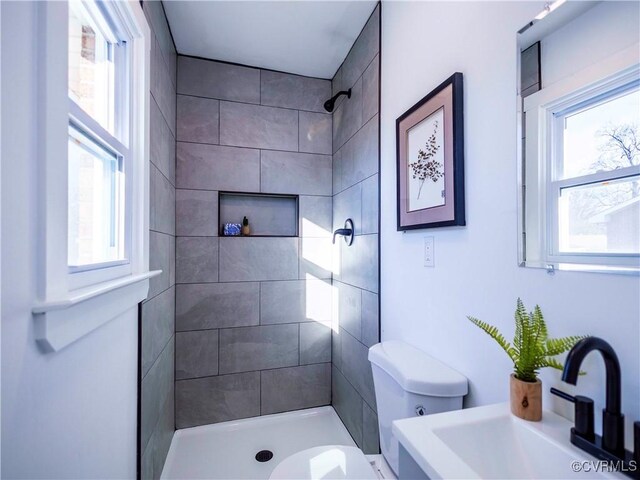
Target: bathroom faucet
[610,446]
[612,418]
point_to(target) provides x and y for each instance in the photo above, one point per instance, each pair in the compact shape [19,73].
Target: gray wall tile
[217,305]
[370,83]
[196,259]
[258,348]
[337,172]
[295,301]
[356,195]
[349,308]
[245,125]
[315,135]
[360,155]
[347,118]
[157,386]
[172,260]
[294,91]
[212,167]
[370,433]
[158,325]
[217,399]
[348,204]
[336,346]
[206,78]
[197,213]
[196,354]
[348,404]
[160,28]
[162,87]
[370,205]
[315,343]
[295,173]
[295,388]
[160,245]
[198,119]
[163,203]
[363,51]
[315,216]
[370,319]
[357,368]
[316,258]
[162,145]
[158,312]
[154,455]
[359,263]
[251,259]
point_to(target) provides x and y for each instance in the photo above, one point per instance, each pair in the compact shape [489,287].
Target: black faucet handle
[583,413]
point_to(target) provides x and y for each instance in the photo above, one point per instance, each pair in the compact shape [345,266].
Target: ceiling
[309,38]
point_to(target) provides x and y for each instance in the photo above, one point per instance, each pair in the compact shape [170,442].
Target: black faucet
[610,446]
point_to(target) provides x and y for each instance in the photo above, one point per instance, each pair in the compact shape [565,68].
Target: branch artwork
[426,167]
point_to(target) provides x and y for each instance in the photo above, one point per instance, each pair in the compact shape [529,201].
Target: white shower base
[227,450]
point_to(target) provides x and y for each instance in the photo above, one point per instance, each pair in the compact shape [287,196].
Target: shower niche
[269,215]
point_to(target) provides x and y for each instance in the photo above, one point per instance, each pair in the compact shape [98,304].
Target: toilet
[408,382]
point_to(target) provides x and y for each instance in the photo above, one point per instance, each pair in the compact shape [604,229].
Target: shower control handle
[346,232]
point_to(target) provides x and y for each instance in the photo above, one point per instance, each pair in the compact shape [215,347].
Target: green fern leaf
[496,335]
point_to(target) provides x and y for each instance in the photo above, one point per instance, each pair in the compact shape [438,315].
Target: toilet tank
[408,382]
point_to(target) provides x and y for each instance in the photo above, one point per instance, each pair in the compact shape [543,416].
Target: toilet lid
[324,463]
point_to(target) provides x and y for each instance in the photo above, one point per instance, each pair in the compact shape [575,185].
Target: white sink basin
[489,442]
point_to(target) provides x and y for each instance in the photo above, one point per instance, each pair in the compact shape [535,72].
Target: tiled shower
[282,319]
[253,314]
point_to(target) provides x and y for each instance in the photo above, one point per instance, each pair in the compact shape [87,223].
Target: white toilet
[408,382]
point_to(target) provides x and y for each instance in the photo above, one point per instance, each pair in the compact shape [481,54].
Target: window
[98,154]
[580,170]
[594,189]
[93,186]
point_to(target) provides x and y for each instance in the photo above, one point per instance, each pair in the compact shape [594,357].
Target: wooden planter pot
[526,399]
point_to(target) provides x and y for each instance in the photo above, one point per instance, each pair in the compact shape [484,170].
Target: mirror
[579,137]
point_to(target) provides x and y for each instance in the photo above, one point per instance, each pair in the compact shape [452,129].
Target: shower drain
[264,455]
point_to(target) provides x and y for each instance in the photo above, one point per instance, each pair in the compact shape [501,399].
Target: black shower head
[331,103]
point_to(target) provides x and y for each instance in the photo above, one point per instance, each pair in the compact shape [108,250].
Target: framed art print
[430,159]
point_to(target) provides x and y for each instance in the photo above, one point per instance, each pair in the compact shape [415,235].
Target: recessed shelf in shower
[269,215]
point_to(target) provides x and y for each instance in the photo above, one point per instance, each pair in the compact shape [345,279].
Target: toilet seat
[324,463]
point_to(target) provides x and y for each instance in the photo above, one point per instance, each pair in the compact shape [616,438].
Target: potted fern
[532,349]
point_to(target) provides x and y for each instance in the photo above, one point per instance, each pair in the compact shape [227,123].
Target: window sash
[107,22]
[88,274]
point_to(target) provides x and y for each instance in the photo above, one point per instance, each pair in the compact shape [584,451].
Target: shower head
[330,104]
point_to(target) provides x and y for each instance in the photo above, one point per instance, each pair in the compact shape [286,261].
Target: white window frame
[71,305]
[543,110]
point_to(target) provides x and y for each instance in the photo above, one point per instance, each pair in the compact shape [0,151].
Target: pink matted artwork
[430,159]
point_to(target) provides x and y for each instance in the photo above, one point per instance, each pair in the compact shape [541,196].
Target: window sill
[60,322]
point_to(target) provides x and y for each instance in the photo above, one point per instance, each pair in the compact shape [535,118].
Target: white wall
[598,33]
[70,414]
[476,270]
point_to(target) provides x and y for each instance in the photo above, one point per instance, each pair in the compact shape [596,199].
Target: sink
[489,442]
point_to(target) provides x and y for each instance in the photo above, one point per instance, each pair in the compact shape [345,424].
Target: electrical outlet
[429,252]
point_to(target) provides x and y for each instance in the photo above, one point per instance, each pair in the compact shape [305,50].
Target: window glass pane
[600,218]
[96,202]
[602,137]
[91,67]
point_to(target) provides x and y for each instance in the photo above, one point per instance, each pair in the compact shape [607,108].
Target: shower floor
[227,450]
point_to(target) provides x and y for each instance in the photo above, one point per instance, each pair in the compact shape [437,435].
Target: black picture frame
[446,214]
